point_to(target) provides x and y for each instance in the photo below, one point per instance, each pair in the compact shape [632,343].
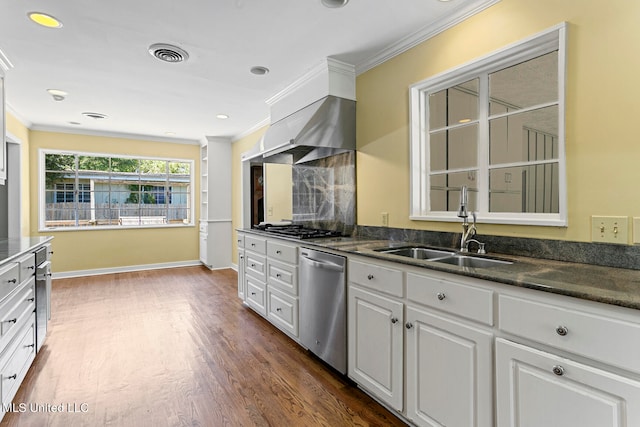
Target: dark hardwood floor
[175,347]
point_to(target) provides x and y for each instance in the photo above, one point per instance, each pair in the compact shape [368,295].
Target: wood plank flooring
[175,347]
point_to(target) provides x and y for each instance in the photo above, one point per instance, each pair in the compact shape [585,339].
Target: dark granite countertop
[13,248]
[616,286]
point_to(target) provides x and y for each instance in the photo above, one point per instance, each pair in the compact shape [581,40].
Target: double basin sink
[444,257]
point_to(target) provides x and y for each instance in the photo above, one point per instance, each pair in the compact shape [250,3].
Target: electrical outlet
[385,219]
[610,229]
[636,229]
[270,211]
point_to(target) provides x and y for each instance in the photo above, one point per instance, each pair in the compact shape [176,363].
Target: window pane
[445,191]
[458,104]
[524,136]
[533,189]
[526,84]
[454,148]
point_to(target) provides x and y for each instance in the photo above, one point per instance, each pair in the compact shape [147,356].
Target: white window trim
[544,42]
[42,197]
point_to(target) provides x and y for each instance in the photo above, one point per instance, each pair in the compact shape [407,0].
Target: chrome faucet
[468,230]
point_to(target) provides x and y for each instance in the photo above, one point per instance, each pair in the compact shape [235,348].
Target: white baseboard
[124,269]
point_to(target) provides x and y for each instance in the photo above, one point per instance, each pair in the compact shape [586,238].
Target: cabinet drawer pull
[441,296]
[409,325]
[562,331]
[253,293]
[278,252]
[12,281]
[12,377]
[11,320]
[31,299]
[253,245]
[278,275]
[370,277]
[558,370]
[31,267]
[394,320]
[30,345]
[253,265]
[278,309]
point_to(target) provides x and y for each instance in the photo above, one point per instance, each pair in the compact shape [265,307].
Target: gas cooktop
[297,231]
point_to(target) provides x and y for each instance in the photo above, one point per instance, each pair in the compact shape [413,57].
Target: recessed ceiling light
[44,20]
[95,116]
[58,95]
[74,123]
[170,133]
[334,3]
[222,116]
[259,70]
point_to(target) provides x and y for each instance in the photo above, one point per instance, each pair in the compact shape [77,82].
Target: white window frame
[42,192]
[537,45]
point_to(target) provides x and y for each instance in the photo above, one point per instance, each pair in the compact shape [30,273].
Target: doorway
[257,195]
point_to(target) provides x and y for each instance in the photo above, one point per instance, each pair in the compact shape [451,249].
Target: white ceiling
[100,58]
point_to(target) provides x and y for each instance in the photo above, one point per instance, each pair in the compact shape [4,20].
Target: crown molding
[330,64]
[5,64]
[256,127]
[423,35]
[26,123]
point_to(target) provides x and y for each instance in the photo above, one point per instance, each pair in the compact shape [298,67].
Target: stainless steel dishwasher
[323,306]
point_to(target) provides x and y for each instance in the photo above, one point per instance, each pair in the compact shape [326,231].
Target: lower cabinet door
[241,281]
[376,345]
[449,371]
[535,388]
[255,295]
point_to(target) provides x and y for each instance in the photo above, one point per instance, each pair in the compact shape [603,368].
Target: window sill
[113,227]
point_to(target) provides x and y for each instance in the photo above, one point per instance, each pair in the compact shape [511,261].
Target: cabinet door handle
[12,281]
[394,320]
[409,325]
[441,296]
[31,267]
[558,370]
[12,377]
[30,345]
[31,299]
[562,330]
[370,277]
[11,321]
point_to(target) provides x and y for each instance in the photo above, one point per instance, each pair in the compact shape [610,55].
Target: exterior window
[496,126]
[98,191]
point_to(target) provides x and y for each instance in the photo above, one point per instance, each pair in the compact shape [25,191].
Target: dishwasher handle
[323,264]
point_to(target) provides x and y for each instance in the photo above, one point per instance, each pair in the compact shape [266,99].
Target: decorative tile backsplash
[324,193]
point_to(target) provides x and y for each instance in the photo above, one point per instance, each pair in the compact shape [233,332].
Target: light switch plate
[385,218]
[610,229]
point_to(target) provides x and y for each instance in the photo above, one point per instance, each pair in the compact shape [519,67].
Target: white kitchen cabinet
[449,371]
[3,140]
[376,344]
[215,203]
[536,388]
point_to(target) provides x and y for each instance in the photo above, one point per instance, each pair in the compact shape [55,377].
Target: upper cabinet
[3,142]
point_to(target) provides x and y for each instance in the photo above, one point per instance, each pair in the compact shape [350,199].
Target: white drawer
[282,252]
[255,265]
[19,357]
[240,240]
[282,276]
[376,277]
[27,266]
[255,244]
[16,309]
[256,295]
[283,311]
[9,278]
[462,300]
[588,333]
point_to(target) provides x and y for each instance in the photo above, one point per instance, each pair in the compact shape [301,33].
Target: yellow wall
[100,249]
[601,114]
[279,194]
[20,132]
[237,148]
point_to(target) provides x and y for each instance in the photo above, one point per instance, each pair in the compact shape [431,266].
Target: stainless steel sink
[471,261]
[417,252]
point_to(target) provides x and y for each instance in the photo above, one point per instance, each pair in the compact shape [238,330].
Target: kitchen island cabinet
[17,312]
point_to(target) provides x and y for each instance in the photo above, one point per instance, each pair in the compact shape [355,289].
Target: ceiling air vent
[168,53]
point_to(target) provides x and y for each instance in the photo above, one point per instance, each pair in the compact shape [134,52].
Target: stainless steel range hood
[322,129]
